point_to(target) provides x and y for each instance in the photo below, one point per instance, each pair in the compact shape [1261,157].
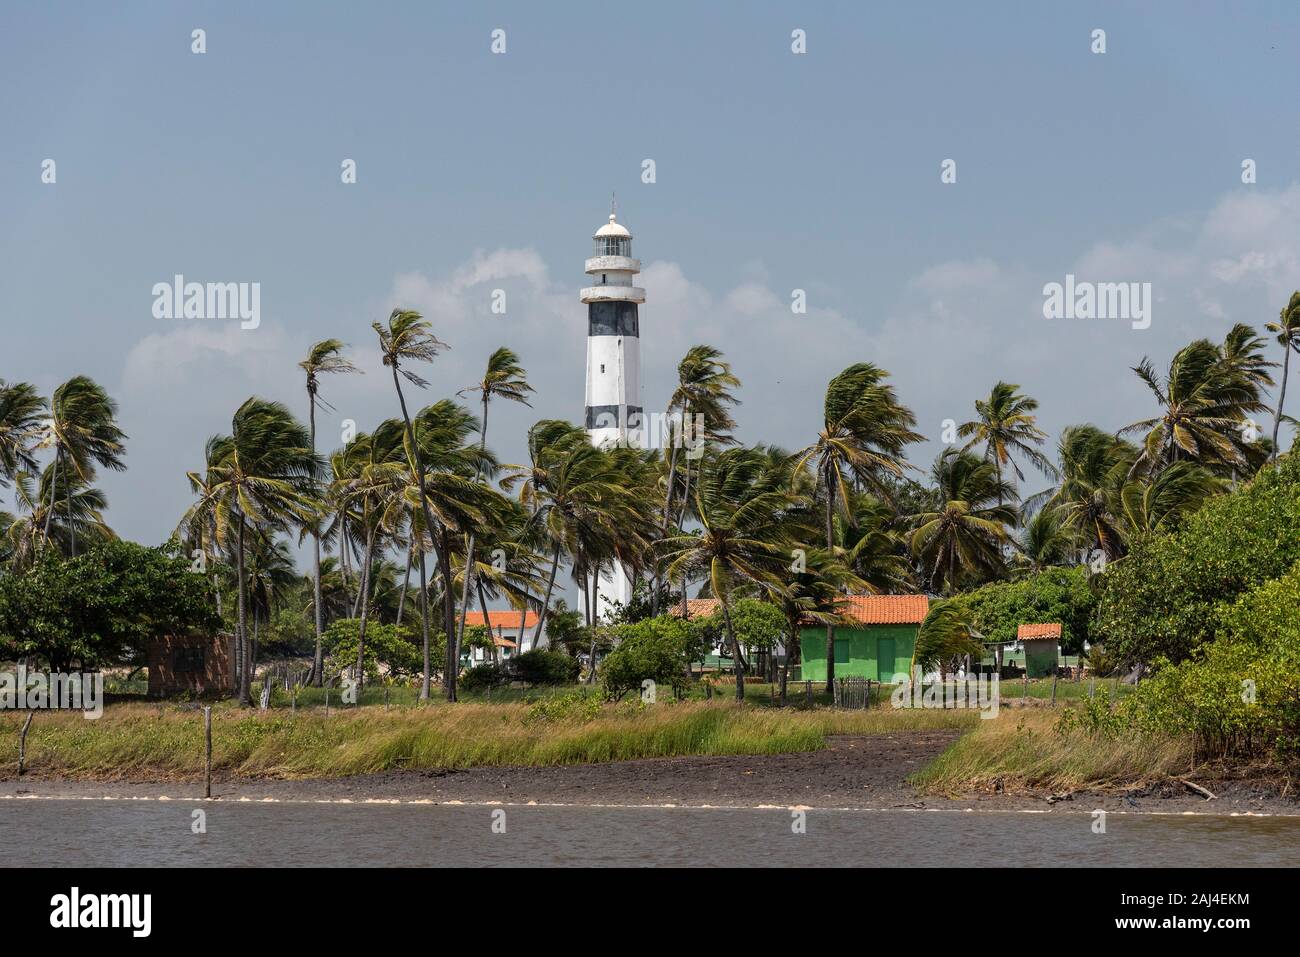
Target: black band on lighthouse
[606,416]
[612,319]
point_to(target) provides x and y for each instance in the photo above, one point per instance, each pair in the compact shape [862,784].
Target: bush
[1057,594]
[542,667]
[393,646]
[486,675]
[1239,694]
[1162,599]
[654,649]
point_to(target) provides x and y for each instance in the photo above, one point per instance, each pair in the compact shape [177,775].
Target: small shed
[194,664]
[1042,644]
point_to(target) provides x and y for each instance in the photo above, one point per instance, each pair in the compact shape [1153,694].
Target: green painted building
[878,645]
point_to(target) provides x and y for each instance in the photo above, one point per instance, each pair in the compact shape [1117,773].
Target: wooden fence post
[22,743]
[207,752]
[807,691]
[1024,688]
[1054,677]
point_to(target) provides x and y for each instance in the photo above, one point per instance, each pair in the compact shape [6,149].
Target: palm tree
[945,635]
[741,505]
[1006,425]
[447,488]
[323,358]
[964,539]
[258,479]
[374,488]
[1287,329]
[83,430]
[408,339]
[704,384]
[865,430]
[78,516]
[1152,505]
[20,423]
[813,595]
[575,494]
[1204,398]
[1093,467]
[504,377]
[1044,541]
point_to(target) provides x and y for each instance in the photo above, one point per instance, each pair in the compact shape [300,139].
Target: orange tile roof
[887,609]
[1038,632]
[867,609]
[502,619]
[696,607]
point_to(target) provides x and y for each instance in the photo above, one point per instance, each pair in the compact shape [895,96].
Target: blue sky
[774,172]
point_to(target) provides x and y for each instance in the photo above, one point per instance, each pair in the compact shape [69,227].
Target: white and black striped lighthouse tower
[614,414]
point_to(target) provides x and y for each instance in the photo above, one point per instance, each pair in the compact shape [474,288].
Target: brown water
[78,833]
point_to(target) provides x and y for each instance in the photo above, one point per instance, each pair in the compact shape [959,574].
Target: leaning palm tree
[448,491]
[813,595]
[260,478]
[21,408]
[82,429]
[78,516]
[1006,427]
[504,377]
[704,388]
[864,432]
[1094,466]
[408,338]
[945,635]
[1205,397]
[741,504]
[963,540]
[1153,505]
[575,494]
[324,358]
[1287,329]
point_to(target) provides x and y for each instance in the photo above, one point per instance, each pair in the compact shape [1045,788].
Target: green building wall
[857,651]
[1040,658]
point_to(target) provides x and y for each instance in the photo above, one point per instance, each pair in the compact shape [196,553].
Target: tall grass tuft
[1028,750]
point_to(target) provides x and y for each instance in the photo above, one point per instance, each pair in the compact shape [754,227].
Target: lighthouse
[614,414]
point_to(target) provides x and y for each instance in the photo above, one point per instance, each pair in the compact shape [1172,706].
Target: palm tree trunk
[424,625]
[1281,396]
[72,527]
[550,584]
[54,483]
[523,621]
[406,581]
[449,615]
[663,531]
[830,547]
[317,661]
[241,638]
[735,647]
[368,560]
[444,560]
[469,545]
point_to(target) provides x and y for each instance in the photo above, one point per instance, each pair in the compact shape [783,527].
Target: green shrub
[542,667]
[486,675]
[1054,595]
[1239,694]
[1162,599]
[654,649]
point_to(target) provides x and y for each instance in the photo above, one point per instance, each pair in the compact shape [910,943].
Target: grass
[1022,750]
[166,741]
[1013,688]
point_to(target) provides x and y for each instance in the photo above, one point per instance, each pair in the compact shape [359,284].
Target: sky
[775,171]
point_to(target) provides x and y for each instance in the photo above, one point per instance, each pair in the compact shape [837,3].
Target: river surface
[77,833]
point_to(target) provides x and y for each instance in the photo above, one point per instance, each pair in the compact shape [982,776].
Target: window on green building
[841,651]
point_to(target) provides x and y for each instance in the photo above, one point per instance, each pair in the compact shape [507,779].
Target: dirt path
[852,772]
